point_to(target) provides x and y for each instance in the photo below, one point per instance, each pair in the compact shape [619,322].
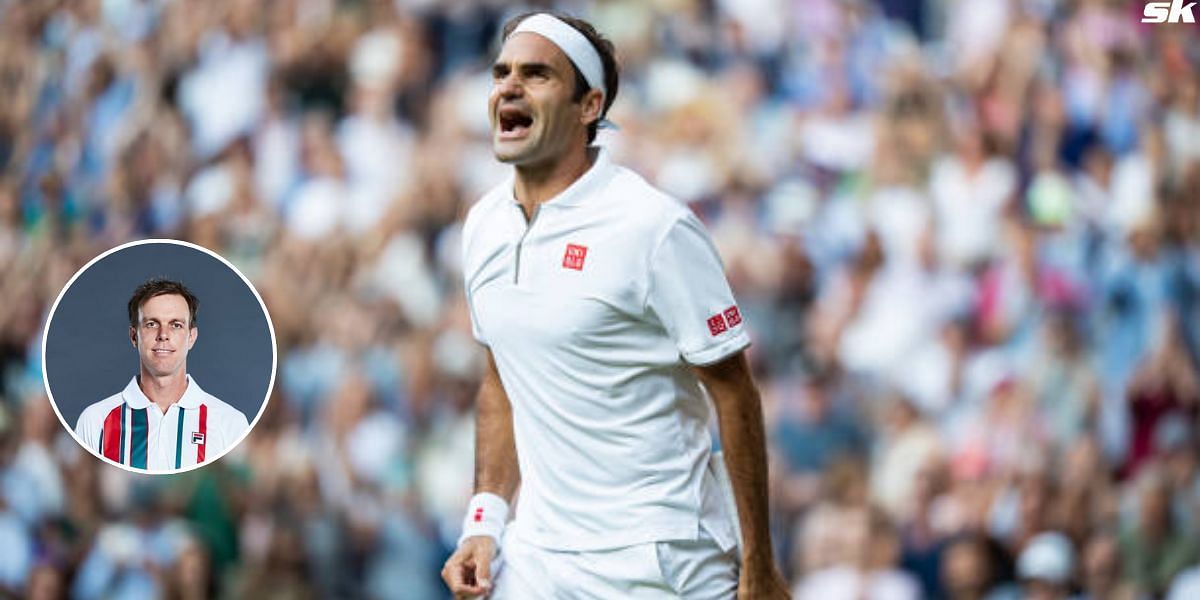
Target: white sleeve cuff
[712,354]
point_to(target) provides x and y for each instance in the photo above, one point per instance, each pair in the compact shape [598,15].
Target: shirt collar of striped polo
[581,188]
[137,400]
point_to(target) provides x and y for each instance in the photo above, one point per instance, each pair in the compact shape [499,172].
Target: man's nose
[162,334]
[509,86]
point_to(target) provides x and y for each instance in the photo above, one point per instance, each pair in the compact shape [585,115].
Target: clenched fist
[468,572]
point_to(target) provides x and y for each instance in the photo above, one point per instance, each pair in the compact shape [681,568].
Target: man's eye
[151,325]
[177,325]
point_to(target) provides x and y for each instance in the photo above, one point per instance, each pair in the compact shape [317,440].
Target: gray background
[88,353]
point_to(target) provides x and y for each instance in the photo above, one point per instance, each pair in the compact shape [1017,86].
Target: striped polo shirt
[127,428]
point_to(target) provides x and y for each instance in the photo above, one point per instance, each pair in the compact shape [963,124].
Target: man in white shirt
[162,420]
[606,315]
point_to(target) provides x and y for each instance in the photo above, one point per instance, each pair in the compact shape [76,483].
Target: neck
[165,390]
[536,184]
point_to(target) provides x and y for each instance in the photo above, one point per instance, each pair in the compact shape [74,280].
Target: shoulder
[642,199]
[486,206]
[225,413]
[226,424]
[95,412]
[645,211]
[222,413]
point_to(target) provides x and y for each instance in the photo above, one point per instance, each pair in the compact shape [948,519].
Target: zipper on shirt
[517,266]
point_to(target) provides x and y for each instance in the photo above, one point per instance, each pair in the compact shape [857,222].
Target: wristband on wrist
[486,515]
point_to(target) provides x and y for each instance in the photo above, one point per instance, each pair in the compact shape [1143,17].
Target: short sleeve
[237,426]
[475,331]
[88,430]
[474,322]
[690,296]
[465,261]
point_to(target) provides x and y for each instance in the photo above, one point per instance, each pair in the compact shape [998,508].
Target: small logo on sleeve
[573,258]
[724,321]
[732,316]
[197,438]
[716,324]
[479,514]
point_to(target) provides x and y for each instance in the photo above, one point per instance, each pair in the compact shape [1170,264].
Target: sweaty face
[163,335]
[532,115]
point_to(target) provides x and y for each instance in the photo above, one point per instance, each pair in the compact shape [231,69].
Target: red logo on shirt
[197,438]
[573,259]
[716,324]
[478,515]
[732,316]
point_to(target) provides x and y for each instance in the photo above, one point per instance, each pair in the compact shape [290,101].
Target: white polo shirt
[593,311]
[129,429]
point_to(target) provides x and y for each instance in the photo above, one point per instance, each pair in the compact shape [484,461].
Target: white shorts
[672,569]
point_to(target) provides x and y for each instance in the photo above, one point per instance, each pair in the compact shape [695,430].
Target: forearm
[743,439]
[496,469]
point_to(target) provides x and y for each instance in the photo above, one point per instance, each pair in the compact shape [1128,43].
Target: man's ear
[133,336]
[193,333]
[593,104]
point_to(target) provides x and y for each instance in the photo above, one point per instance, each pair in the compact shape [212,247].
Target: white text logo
[1174,11]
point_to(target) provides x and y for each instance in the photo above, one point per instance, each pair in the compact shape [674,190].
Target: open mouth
[162,351]
[514,122]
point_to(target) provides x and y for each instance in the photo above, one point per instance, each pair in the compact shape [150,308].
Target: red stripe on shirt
[113,434]
[203,433]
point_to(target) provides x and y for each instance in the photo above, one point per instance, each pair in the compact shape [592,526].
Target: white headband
[577,47]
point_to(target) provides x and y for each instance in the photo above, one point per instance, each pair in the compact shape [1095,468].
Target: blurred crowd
[965,236]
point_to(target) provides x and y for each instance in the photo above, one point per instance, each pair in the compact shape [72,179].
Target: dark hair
[161,287]
[604,47]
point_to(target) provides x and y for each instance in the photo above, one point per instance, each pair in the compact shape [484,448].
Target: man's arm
[496,469]
[743,439]
[468,571]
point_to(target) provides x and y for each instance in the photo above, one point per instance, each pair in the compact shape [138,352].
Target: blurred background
[965,237]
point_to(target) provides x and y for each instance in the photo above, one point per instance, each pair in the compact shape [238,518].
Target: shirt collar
[581,188]
[137,400]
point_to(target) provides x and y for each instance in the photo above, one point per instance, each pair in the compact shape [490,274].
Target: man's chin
[513,152]
[158,370]
[508,156]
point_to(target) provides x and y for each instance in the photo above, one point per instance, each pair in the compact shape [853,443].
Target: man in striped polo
[162,420]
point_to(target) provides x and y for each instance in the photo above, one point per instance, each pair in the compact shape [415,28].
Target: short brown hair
[604,47]
[162,287]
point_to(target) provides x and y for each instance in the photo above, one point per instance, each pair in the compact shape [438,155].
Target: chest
[150,438]
[561,277]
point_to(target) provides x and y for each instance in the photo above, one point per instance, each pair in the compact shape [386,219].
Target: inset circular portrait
[159,356]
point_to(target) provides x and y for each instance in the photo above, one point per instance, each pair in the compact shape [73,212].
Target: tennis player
[606,316]
[162,420]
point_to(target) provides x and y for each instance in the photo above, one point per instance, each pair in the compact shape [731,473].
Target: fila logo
[478,514]
[724,320]
[573,258]
[1174,11]
[197,438]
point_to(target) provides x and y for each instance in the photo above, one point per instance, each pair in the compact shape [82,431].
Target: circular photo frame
[159,356]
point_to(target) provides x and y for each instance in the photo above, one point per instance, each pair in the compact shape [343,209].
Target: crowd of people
[965,237]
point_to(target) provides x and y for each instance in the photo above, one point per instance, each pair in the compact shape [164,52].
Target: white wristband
[486,515]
